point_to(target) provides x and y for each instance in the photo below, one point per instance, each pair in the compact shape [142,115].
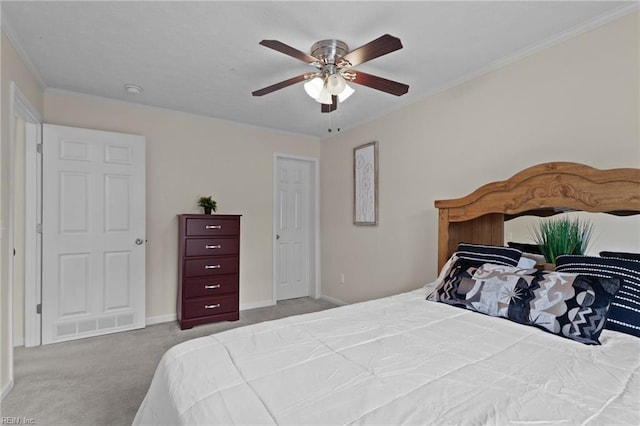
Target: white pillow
[526,263]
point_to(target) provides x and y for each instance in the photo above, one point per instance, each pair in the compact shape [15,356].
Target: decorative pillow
[569,305]
[624,315]
[480,254]
[538,258]
[526,248]
[526,262]
[430,287]
[620,254]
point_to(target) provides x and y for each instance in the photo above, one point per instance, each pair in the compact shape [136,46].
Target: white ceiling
[204,57]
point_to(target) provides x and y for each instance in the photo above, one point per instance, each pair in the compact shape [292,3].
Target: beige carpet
[102,380]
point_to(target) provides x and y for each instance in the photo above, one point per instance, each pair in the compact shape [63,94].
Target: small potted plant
[562,236]
[208,204]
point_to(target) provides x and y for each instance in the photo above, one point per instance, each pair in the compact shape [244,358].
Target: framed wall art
[365,184]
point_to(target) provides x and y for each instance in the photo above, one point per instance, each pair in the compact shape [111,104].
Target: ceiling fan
[334,68]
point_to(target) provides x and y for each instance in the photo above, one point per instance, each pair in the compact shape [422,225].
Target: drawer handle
[213,247]
[211,266]
[211,287]
[213,227]
[217,305]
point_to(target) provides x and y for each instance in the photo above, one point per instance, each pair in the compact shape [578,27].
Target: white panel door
[293,273]
[93,232]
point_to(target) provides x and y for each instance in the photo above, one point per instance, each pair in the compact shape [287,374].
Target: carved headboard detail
[541,190]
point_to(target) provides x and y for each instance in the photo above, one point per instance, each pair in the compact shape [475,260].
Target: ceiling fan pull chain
[330,129]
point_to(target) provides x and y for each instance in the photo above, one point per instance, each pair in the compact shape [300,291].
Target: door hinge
[39,148]
[39,308]
[39,228]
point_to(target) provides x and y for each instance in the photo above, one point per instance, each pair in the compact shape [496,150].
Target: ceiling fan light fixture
[348,91]
[314,87]
[335,84]
[325,97]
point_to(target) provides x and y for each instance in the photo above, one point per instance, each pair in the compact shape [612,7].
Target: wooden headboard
[541,190]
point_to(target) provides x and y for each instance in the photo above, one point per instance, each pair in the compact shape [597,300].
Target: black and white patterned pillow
[496,255]
[624,315]
[620,254]
[568,305]
[525,247]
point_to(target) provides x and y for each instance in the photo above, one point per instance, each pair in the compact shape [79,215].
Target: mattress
[396,360]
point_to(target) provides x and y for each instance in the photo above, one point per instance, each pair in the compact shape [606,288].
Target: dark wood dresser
[208,268]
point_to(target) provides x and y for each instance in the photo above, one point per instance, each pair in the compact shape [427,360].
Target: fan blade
[380,83]
[330,107]
[374,49]
[278,86]
[288,50]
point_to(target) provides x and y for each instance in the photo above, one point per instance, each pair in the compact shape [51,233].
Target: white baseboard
[161,318]
[332,300]
[19,341]
[254,305]
[7,389]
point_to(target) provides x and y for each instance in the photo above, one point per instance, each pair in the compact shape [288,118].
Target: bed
[405,360]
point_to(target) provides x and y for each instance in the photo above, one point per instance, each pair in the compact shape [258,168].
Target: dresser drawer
[211,266]
[211,227]
[206,306]
[209,286]
[211,246]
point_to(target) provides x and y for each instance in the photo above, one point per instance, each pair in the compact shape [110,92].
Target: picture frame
[365,184]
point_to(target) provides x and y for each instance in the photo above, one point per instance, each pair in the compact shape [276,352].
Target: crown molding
[104,99]
[7,29]
[599,21]
[561,37]
[556,39]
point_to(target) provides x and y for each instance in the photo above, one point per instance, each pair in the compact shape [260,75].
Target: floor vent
[106,323]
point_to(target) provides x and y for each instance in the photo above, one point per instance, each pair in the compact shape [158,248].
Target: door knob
[139,241]
[277,236]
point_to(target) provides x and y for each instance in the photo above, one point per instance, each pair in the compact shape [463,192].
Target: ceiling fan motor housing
[328,50]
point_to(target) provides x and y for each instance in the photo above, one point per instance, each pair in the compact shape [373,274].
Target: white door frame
[21,107]
[314,243]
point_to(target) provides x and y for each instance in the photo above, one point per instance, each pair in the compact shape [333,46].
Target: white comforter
[397,360]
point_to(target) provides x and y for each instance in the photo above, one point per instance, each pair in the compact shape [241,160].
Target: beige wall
[186,157]
[11,69]
[577,101]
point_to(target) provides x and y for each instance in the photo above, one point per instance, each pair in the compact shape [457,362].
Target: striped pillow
[496,255]
[620,254]
[624,315]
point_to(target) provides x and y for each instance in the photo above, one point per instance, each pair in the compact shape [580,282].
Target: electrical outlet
[341,278]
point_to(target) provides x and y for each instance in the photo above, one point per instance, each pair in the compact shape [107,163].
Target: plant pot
[207,210]
[546,266]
